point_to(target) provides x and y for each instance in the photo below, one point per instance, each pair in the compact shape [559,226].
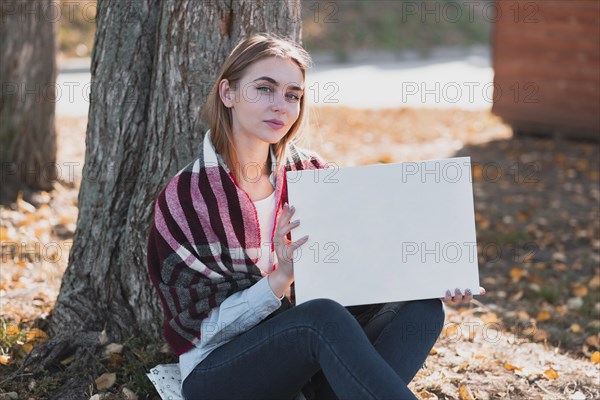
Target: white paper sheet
[385,232]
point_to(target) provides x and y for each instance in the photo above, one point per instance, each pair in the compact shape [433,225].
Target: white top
[265,209]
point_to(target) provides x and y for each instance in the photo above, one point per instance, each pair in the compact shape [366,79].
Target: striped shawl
[204,223]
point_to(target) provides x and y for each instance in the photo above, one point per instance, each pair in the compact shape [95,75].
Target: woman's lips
[274,125]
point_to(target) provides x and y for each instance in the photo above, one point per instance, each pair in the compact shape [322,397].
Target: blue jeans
[361,352]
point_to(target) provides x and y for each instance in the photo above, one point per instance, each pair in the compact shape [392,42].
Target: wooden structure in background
[546,58]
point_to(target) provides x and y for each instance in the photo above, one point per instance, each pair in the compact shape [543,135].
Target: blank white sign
[384,233]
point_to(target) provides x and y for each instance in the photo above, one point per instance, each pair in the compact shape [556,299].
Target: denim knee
[328,314]
[432,310]
[326,308]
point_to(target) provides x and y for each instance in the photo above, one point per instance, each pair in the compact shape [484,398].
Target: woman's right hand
[284,248]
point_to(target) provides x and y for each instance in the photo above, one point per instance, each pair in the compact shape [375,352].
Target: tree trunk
[152,66]
[28,75]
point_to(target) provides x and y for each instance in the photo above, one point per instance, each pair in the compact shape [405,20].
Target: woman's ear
[226,93]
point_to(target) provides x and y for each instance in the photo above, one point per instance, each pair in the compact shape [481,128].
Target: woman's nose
[278,102]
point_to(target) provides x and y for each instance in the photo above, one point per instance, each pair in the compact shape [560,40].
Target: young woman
[220,257]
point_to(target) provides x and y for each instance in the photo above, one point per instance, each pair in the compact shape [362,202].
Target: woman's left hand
[459,297]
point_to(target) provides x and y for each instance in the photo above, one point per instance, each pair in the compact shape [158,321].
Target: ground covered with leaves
[534,335]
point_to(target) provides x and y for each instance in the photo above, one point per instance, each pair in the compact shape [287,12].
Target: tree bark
[153,64]
[28,75]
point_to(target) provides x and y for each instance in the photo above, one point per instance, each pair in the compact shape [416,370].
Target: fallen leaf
[472,336]
[595,282]
[593,341]
[551,374]
[523,315]
[595,358]
[517,296]
[5,360]
[561,310]
[579,290]
[386,159]
[516,274]
[464,393]
[540,335]
[36,335]
[529,331]
[575,328]
[106,380]
[27,347]
[424,394]
[12,330]
[68,360]
[462,366]
[489,318]
[575,303]
[449,330]
[433,351]
[543,316]
[23,205]
[511,367]
[113,348]
[130,395]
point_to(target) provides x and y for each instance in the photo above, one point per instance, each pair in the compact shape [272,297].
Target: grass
[550,294]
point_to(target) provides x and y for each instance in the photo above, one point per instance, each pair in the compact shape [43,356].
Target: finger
[468,296]
[286,215]
[299,242]
[289,210]
[457,298]
[481,291]
[448,297]
[284,229]
[292,225]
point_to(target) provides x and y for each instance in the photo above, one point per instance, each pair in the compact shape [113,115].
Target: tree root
[79,374]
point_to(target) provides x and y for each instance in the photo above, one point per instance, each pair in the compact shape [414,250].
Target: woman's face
[266,102]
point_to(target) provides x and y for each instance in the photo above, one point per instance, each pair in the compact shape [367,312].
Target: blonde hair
[248,51]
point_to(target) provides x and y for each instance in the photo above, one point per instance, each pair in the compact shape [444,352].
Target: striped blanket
[204,223]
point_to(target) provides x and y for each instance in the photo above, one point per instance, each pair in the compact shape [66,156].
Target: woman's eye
[293,97]
[268,89]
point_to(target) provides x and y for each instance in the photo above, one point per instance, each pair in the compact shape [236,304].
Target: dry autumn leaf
[580,290]
[449,330]
[27,347]
[516,274]
[540,335]
[595,358]
[543,316]
[523,315]
[551,374]
[36,335]
[575,328]
[68,360]
[24,206]
[106,380]
[424,394]
[5,360]
[12,330]
[511,367]
[489,318]
[561,310]
[593,341]
[464,393]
